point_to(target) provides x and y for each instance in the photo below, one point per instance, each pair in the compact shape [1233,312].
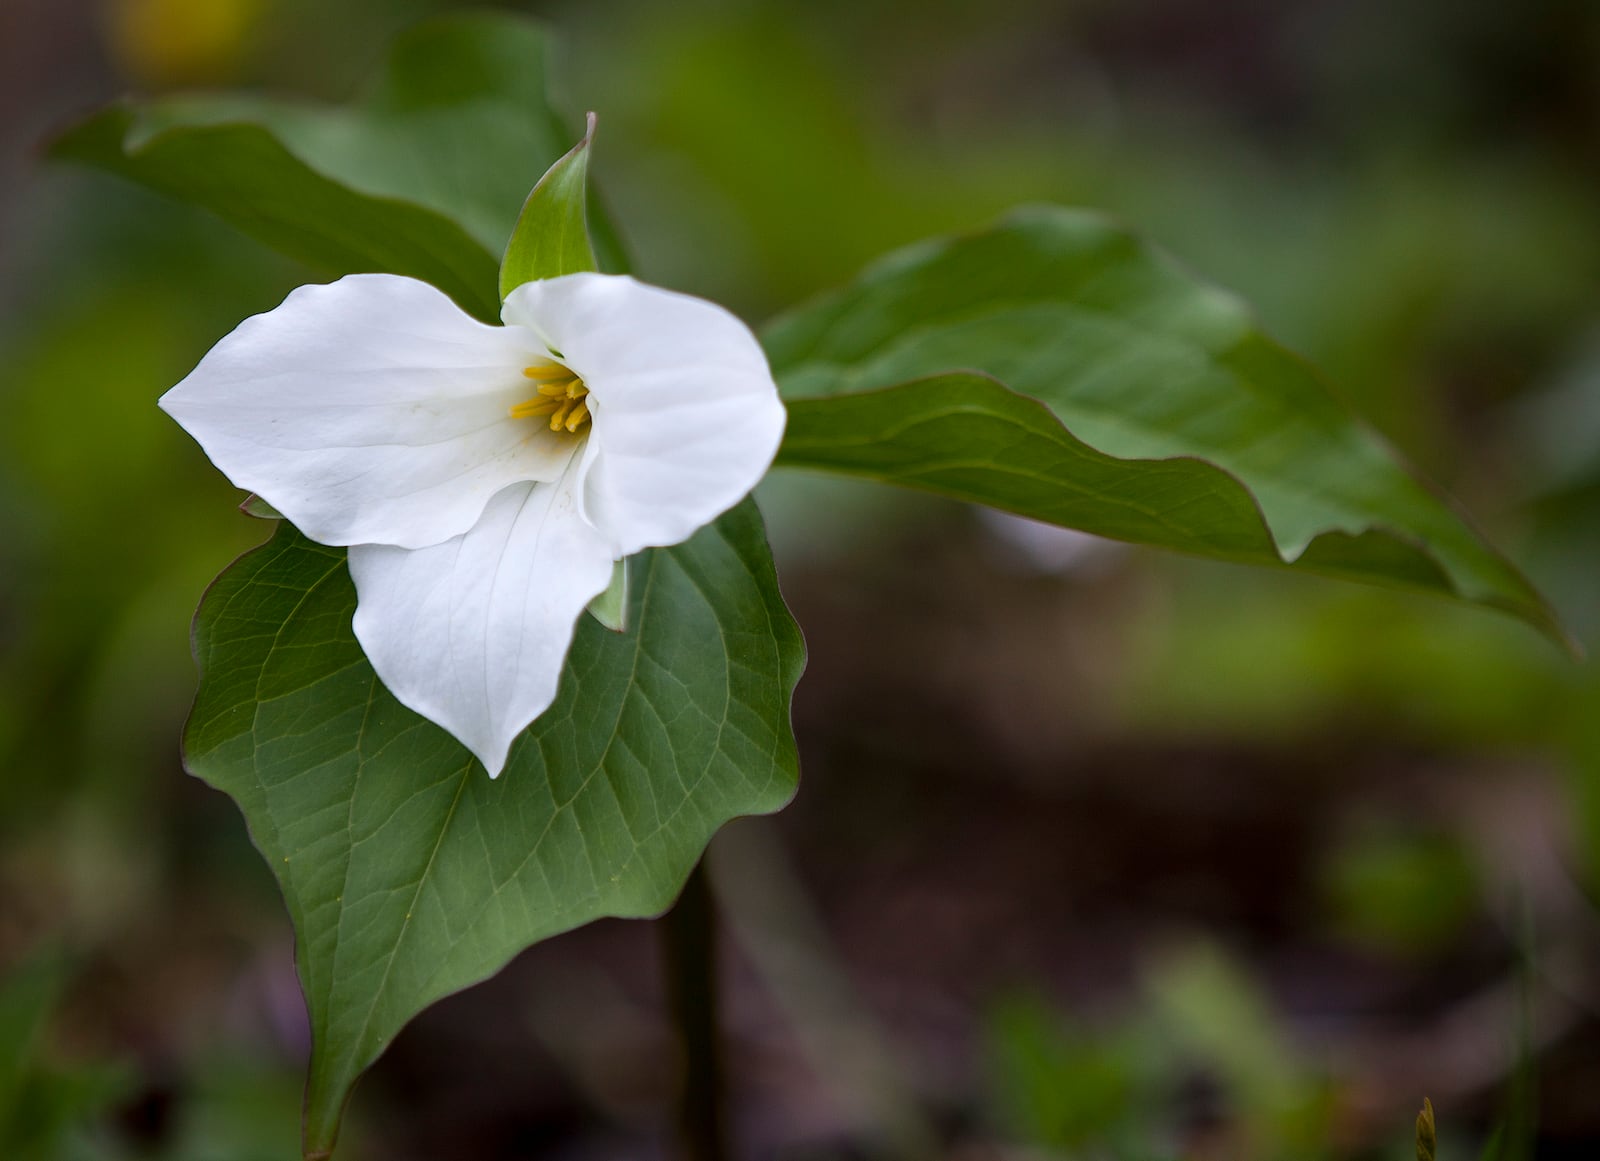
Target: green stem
[690,939]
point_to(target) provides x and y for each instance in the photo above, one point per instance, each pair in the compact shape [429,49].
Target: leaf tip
[1427,1132]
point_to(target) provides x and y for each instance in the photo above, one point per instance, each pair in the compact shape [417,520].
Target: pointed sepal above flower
[552,233]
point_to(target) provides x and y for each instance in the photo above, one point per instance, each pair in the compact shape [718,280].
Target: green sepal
[255,506]
[552,233]
[610,608]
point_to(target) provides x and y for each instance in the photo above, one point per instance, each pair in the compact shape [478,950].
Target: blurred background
[1098,853]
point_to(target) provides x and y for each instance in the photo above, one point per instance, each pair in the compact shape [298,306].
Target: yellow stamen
[533,407]
[560,396]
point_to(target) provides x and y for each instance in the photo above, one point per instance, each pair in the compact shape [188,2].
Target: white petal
[371,410]
[686,417]
[472,633]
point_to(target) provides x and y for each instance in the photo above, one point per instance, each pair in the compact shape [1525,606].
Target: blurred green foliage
[1400,891]
[42,1104]
[1059,1087]
[1200,1023]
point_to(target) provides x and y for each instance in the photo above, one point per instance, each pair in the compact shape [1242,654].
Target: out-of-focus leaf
[1397,891]
[1164,416]
[40,1104]
[424,175]
[408,872]
[27,996]
[243,173]
[1059,1087]
[1209,1011]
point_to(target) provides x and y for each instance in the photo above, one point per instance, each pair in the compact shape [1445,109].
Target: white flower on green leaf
[485,478]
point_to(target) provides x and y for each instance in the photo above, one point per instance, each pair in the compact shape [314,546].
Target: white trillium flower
[485,478]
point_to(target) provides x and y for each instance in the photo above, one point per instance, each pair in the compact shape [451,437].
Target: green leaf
[244,174]
[1159,413]
[552,234]
[408,873]
[423,175]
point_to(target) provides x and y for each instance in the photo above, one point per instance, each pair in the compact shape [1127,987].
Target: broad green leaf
[245,175]
[552,233]
[409,873]
[423,175]
[1103,388]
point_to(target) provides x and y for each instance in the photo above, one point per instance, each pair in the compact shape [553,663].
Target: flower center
[560,397]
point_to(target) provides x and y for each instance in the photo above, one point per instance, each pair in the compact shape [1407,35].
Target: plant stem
[690,947]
